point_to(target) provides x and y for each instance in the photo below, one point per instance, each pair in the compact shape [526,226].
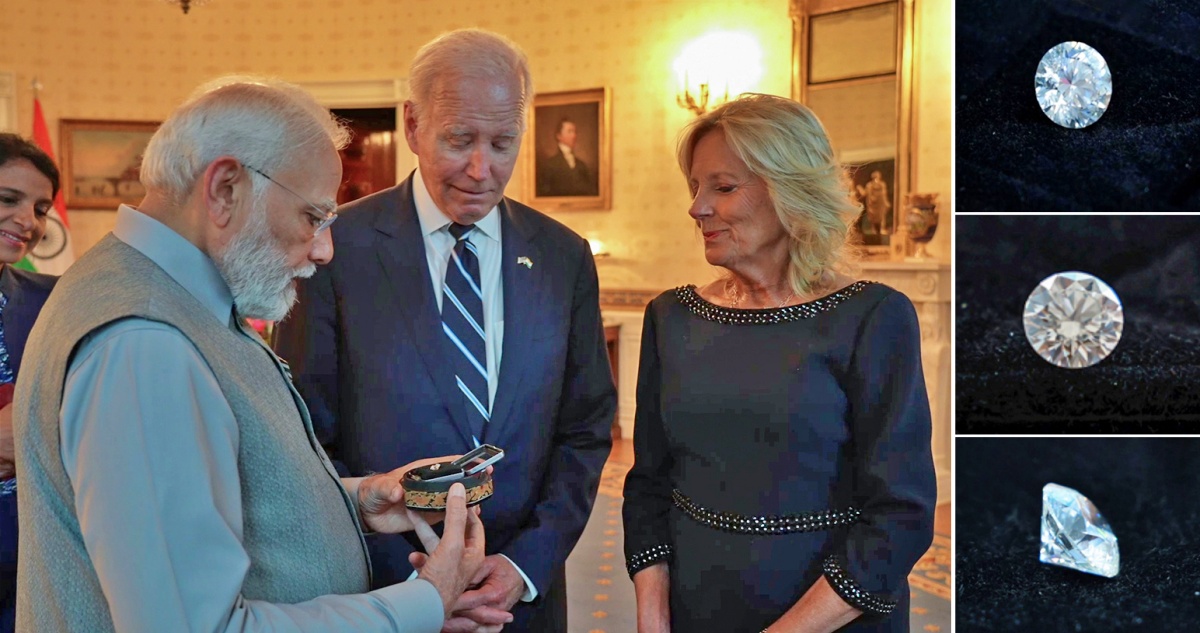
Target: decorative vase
[921,219]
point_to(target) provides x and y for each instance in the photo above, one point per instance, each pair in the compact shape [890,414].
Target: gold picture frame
[583,181]
[100,162]
[876,228]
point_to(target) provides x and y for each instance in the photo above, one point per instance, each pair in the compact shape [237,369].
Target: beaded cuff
[774,524]
[736,316]
[851,592]
[648,557]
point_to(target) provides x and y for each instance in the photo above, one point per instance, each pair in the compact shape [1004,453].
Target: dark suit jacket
[27,293]
[556,178]
[368,354]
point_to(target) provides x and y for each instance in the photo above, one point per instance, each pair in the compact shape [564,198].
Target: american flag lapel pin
[525,261]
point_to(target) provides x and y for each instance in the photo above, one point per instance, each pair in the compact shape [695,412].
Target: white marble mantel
[927,285]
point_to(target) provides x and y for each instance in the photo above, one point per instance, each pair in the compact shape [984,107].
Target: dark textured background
[1142,155]
[1150,383]
[1146,488]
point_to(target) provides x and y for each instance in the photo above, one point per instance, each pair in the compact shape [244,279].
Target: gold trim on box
[418,500]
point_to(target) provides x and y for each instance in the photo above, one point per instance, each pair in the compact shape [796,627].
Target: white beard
[255,268]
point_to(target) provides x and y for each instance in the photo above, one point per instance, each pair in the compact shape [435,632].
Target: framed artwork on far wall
[873,185]
[101,160]
[569,151]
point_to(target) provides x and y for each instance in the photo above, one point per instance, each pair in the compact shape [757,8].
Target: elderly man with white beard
[170,477]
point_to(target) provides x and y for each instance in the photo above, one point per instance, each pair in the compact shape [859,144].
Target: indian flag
[54,253]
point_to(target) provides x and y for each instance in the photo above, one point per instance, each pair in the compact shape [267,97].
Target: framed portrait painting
[101,160]
[873,185]
[569,149]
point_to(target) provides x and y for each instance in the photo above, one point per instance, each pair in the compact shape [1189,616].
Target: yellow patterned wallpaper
[136,59]
[932,107]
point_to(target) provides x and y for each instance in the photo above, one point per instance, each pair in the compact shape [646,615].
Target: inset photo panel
[1077,106]
[1077,324]
[1076,534]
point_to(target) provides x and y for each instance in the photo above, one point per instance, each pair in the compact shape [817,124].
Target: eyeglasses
[327,217]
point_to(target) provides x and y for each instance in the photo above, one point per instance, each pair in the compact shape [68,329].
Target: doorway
[369,161]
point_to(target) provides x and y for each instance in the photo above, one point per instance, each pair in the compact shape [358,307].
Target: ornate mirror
[851,64]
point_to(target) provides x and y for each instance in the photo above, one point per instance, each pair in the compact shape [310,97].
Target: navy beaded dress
[22,295]
[776,445]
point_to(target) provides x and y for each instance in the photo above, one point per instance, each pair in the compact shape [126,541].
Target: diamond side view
[1075,535]
[1073,85]
[1073,320]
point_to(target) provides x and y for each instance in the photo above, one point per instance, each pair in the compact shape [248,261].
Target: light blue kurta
[157,485]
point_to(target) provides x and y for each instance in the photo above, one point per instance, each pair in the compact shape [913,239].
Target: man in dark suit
[563,173]
[454,316]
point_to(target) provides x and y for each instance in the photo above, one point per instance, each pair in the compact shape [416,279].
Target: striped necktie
[462,321]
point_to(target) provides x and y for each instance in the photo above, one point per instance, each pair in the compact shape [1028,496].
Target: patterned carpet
[600,595]
[599,592]
[930,582]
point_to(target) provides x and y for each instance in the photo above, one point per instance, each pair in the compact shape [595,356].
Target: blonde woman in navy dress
[783,479]
[28,184]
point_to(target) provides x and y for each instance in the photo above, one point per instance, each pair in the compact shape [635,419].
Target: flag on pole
[54,253]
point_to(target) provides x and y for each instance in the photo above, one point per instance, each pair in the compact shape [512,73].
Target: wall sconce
[598,249]
[714,67]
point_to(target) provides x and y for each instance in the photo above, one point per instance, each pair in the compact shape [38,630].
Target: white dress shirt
[435,228]
[568,154]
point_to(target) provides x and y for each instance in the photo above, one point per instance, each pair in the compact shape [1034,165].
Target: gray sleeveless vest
[298,525]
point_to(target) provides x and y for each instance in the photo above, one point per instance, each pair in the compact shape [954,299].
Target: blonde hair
[785,144]
[265,123]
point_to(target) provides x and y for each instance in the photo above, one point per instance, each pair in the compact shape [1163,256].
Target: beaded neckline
[709,311]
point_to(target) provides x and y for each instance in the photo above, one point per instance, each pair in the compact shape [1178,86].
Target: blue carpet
[599,592]
[930,582]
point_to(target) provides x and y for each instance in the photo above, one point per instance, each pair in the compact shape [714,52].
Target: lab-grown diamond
[1073,84]
[1073,319]
[1075,534]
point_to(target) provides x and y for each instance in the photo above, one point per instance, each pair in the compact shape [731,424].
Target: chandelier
[186,5]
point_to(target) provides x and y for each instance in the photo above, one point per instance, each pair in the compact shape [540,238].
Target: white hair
[265,123]
[470,53]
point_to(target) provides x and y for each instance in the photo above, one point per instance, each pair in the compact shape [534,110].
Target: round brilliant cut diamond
[1073,84]
[1073,319]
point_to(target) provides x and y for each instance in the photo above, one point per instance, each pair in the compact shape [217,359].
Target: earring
[1073,320]
[1073,85]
